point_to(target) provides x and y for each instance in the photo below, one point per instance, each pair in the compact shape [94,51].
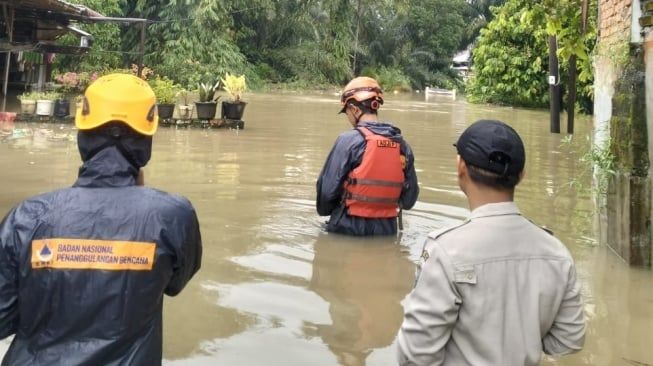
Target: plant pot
[185,111]
[165,110]
[233,110]
[44,107]
[7,121]
[206,110]
[61,108]
[27,106]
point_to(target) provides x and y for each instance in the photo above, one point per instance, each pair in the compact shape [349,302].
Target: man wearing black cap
[496,289]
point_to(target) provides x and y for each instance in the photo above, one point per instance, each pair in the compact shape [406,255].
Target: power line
[195,18]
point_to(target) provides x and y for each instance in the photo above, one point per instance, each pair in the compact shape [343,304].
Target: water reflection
[275,290]
[364,282]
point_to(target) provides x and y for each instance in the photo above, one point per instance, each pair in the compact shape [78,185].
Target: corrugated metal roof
[56,6]
[37,22]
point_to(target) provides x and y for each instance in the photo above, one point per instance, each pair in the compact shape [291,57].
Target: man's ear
[522,174]
[461,166]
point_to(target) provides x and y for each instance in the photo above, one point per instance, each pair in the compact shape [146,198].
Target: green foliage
[598,164]
[477,15]
[309,44]
[207,92]
[105,51]
[197,49]
[165,89]
[49,95]
[431,37]
[29,96]
[511,56]
[510,64]
[184,96]
[390,78]
[234,85]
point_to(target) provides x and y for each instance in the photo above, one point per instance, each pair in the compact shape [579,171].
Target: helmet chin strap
[357,116]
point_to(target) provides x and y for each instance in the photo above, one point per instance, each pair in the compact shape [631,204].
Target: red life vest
[373,188]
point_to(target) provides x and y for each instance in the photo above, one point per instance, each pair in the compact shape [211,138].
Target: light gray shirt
[496,290]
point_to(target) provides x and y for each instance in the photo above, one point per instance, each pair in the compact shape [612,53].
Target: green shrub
[390,78]
[165,90]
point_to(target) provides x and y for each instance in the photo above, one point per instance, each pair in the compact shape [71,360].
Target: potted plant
[166,93]
[77,97]
[235,86]
[45,103]
[28,102]
[207,104]
[68,84]
[185,108]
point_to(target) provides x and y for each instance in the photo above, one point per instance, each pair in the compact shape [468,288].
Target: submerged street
[275,289]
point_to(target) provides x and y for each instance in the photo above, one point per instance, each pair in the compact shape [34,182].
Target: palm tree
[480,14]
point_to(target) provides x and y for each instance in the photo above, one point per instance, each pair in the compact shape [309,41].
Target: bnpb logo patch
[114,255]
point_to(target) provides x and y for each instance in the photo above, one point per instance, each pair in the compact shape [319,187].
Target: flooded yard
[275,289]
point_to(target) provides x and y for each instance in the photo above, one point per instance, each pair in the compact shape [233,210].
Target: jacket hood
[107,168]
[383,129]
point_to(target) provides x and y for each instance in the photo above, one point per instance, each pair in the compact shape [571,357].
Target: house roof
[37,24]
[56,8]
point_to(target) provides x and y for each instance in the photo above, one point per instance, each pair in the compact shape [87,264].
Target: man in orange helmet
[83,270]
[369,175]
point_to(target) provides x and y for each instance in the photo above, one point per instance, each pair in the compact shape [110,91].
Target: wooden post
[571,100]
[9,20]
[554,85]
[141,49]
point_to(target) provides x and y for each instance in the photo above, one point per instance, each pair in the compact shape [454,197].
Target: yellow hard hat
[119,97]
[360,89]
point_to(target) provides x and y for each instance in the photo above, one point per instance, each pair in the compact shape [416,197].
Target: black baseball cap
[493,146]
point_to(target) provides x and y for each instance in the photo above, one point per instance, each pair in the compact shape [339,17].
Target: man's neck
[479,196]
[368,118]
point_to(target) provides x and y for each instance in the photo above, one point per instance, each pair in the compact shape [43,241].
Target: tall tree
[510,59]
[107,47]
[435,30]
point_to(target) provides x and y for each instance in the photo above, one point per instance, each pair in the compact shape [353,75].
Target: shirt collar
[495,209]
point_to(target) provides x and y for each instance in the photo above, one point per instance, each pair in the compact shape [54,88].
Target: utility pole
[141,21]
[141,49]
[554,85]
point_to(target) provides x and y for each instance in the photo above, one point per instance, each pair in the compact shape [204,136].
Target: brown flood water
[274,289]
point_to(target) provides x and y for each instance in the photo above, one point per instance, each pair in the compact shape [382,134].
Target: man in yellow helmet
[369,174]
[83,270]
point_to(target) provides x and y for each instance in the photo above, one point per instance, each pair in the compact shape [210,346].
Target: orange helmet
[361,89]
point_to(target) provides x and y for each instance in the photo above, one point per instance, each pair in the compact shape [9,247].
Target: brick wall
[621,123]
[615,19]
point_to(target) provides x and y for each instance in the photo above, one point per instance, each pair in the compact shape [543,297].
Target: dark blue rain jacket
[84,316]
[345,156]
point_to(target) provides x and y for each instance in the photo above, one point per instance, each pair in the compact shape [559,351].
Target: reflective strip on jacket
[83,270]
[373,188]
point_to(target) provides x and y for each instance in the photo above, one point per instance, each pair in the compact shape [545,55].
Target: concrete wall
[623,124]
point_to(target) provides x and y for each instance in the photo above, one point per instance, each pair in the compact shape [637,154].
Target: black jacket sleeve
[410,190]
[8,276]
[346,152]
[189,255]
